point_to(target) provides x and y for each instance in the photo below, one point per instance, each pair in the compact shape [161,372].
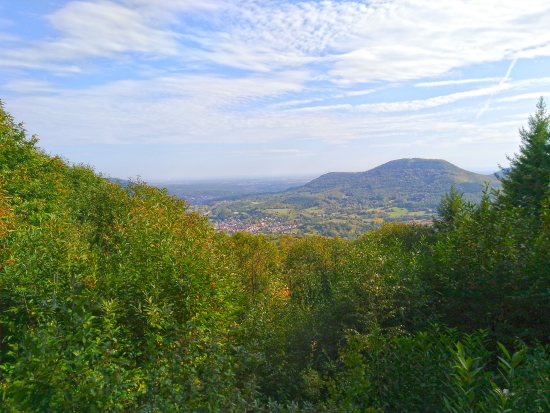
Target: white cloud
[323,108]
[177,108]
[289,51]
[345,41]
[187,109]
[502,81]
[535,95]
[305,101]
[418,104]
[57,69]
[293,103]
[30,86]
[98,29]
[414,105]
[382,40]
[8,37]
[181,4]
[275,151]
[458,82]
[411,39]
[106,28]
[355,93]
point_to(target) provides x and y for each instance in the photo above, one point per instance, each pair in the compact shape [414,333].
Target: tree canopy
[118,299]
[526,182]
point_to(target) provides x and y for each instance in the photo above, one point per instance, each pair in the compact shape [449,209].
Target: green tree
[257,261]
[525,184]
[448,208]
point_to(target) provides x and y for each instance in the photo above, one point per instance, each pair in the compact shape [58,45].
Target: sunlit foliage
[119,298]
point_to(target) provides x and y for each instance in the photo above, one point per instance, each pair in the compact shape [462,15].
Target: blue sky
[183,89]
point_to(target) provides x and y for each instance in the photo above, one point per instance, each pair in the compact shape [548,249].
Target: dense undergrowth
[118,299]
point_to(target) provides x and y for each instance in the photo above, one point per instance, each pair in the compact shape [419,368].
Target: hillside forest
[121,299]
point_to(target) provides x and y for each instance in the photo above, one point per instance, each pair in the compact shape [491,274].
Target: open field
[346,223]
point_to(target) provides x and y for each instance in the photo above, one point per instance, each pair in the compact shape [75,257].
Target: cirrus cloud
[343,41]
[251,72]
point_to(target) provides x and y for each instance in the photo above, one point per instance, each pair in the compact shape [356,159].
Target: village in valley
[264,225]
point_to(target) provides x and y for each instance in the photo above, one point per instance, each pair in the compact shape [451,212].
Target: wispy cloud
[357,42]
[176,108]
[502,81]
[91,30]
[275,151]
[30,86]
[515,98]
[458,82]
[256,72]
[355,93]
[8,38]
[347,41]
[414,105]
[323,108]
[293,103]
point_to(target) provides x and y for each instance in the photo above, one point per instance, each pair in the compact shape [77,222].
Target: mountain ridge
[412,183]
[401,171]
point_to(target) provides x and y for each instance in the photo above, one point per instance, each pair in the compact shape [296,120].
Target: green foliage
[99,283]
[435,371]
[67,363]
[118,298]
[491,271]
[527,181]
[448,208]
[256,257]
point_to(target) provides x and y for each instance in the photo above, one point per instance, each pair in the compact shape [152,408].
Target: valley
[344,204]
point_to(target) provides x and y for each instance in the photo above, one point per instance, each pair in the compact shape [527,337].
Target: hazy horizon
[183,180]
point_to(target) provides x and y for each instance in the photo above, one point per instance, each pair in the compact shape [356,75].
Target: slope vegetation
[118,299]
[404,182]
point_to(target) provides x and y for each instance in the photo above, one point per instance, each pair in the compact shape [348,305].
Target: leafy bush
[117,298]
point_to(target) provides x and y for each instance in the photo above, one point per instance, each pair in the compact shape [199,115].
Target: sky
[193,89]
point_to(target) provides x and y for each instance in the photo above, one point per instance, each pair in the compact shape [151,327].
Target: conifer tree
[527,181]
[450,205]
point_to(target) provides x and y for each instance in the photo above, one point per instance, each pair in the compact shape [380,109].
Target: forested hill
[406,183]
[402,176]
